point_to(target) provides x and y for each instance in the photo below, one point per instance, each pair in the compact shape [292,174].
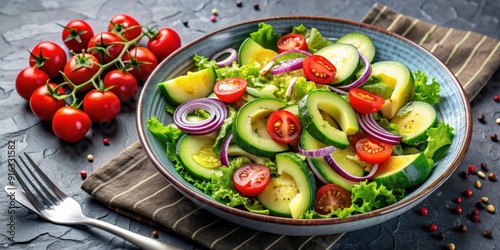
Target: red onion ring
[342,172]
[363,78]
[233,56]
[287,66]
[337,90]
[291,51]
[317,152]
[289,89]
[216,108]
[224,158]
[373,129]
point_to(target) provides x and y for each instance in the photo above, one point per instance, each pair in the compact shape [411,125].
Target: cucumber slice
[196,154]
[252,51]
[310,108]
[396,75]
[404,171]
[233,150]
[187,87]
[362,42]
[345,58]
[249,127]
[293,108]
[292,192]
[319,163]
[413,121]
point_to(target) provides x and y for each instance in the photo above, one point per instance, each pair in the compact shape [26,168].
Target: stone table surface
[23,23]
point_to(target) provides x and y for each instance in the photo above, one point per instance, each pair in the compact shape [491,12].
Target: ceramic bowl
[454,109]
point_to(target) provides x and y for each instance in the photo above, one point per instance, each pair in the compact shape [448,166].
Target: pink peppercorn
[472,169]
[105,141]
[423,211]
[83,174]
[213,18]
[496,98]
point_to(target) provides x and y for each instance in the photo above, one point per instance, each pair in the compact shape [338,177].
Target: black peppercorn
[239,3]
[462,228]
[465,174]
[484,166]
[488,233]
[493,137]
[481,118]
[256,6]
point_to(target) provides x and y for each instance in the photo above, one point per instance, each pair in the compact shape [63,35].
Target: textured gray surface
[25,23]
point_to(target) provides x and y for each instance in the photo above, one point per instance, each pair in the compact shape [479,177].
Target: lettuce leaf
[315,40]
[426,92]
[438,141]
[168,135]
[266,37]
[224,130]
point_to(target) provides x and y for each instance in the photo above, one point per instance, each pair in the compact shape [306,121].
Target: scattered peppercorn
[481,174]
[458,209]
[492,176]
[471,168]
[451,246]
[474,211]
[493,137]
[105,141]
[83,174]
[458,200]
[475,218]
[484,199]
[90,158]
[215,12]
[484,166]
[213,18]
[423,211]
[439,236]
[239,3]
[497,121]
[468,192]
[465,174]
[256,5]
[479,205]
[490,208]
[496,98]
[478,184]
[155,233]
[481,118]
[462,228]
[433,227]
[488,233]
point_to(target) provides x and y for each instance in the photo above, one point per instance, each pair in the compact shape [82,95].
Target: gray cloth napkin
[132,186]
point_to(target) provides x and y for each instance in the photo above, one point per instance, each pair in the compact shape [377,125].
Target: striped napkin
[132,186]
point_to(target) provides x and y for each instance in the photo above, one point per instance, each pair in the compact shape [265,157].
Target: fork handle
[139,240]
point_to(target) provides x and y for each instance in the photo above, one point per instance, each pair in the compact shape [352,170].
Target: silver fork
[56,207]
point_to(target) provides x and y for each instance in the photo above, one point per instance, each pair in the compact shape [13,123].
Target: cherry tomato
[365,102]
[164,42]
[373,151]
[80,68]
[126,26]
[124,84]
[101,106]
[230,90]
[76,35]
[318,69]
[43,104]
[49,57]
[283,126]
[142,61]
[292,41]
[106,46]
[251,179]
[28,80]
[331,197]
[70,124]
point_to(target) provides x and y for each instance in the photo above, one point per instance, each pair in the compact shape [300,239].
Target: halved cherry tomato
[251,179]
[365,102]
[331,197]
[319,69]
[230,90]
[373,151]
[283,126]
[292,41]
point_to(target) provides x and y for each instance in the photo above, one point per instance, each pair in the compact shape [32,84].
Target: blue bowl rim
[405,203]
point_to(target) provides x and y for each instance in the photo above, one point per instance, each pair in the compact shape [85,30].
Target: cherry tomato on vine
[49,57]
[251,179]
[101,106]
[124,84]
[76,35]
[365,102]
[331,197]
[80,68]
[30,79]
[373,151]
[230,90]
[70,124]
[43,104]
[164,42]
[292,41]
[318,69]
[106,46]
[125,25]
[283,126]
[142,61]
